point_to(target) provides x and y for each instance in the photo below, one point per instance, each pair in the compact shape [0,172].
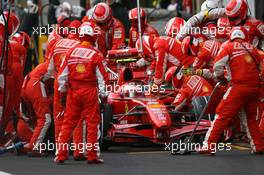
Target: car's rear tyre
[106,122]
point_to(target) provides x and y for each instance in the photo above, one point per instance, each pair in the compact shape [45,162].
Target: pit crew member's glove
[63,99]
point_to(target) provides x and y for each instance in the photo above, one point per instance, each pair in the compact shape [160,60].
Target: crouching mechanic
[34,94]
[81,71]
[243,92]
[161,53]
[188,87]
[204,51]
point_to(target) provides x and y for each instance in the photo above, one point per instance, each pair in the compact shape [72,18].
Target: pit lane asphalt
[140,161]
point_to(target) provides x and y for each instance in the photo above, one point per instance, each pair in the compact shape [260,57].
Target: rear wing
[123,55]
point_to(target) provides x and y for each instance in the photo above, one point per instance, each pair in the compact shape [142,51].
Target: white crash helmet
[211,4]
[238,32]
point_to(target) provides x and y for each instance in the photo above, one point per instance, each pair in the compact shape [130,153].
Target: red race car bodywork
[132,117]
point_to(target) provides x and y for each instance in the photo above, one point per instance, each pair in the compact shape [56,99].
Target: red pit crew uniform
[243,92]
[261,100]
[193,86]
[2,29]
[166,52]
[207,51]
[57,54]
[6,79]
[14,79]
[200,18]
[254,27]
[133,34]
[19,57]
[81,72]
[255,30]
[52,39]
[112,38]
[8,84]
[34,94]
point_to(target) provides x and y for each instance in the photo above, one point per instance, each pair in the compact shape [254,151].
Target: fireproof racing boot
[206,152]
[257,153]
[95,161]
[57,161]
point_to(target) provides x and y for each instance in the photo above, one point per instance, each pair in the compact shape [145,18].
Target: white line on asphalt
[4,173]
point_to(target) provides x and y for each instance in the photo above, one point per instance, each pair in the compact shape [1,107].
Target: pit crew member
[82,70]
[163,53]
[35,95]
[60,31]
[188,87]
[146,29]
[174,26]
[244,86]
[237,13]
[56,56]
[113,31]
[6,79]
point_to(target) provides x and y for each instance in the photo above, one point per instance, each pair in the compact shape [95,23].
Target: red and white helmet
[224,27]
[75,24]
[22,38]
[13,22]
[133,16]
[236,11]
[74,29]
[238,33]
[190,45]
[63,24]
[174,26]
[89,32]
[174,74]
[102,15]
[63,21]
[147,45]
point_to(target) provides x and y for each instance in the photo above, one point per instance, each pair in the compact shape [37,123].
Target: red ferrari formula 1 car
[133,114]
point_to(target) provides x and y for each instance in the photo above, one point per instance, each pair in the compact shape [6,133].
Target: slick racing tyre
[106,120]
[199,104]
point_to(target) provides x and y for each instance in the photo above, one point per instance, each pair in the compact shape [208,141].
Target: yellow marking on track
[240,148]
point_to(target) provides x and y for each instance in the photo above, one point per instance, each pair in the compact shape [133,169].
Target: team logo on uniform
[248,59]
[261,52]
[62,57]
[118,34]
[261,28]
[134,36]
[80,68]
[205,89]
